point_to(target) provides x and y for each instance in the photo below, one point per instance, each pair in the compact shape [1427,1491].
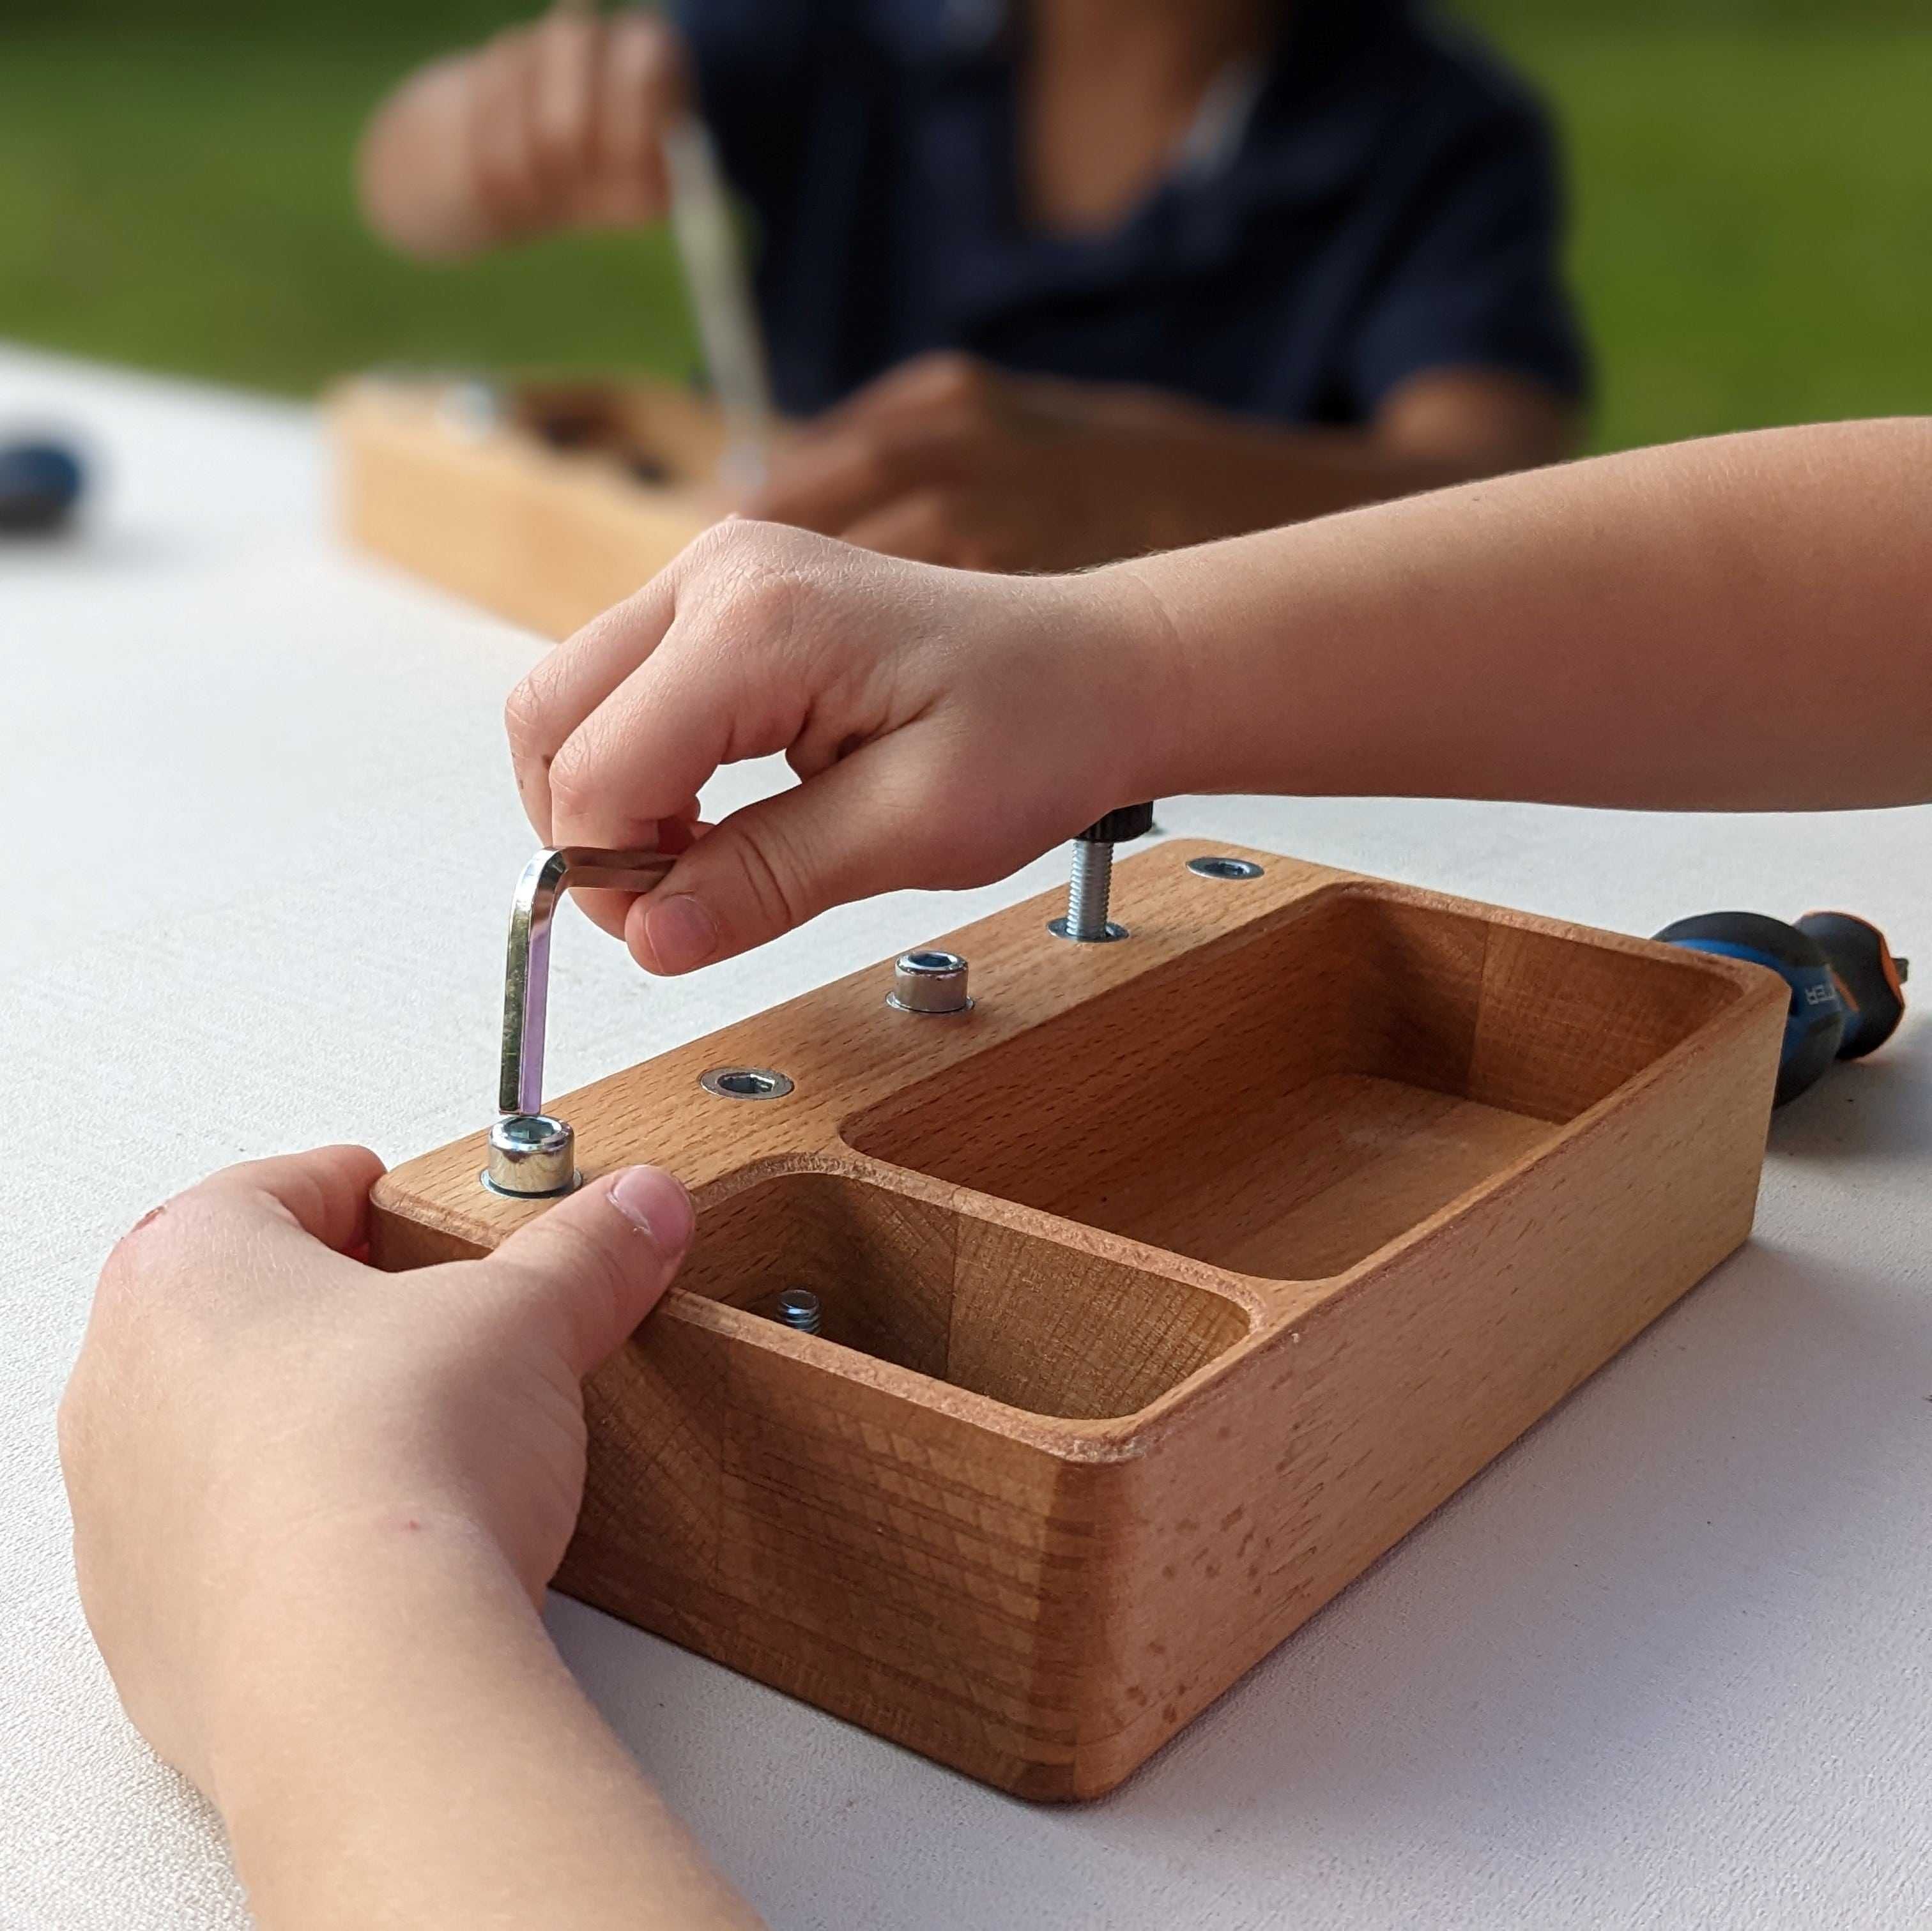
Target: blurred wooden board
[1164,1290]
[548,509]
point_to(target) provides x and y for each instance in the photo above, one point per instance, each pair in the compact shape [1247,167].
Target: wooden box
[546,503]
[1164,1290]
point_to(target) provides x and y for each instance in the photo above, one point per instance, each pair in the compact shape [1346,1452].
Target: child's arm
[1742,623]
[552,125]
[315,1507]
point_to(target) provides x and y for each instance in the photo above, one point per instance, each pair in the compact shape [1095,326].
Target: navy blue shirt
[1390,203]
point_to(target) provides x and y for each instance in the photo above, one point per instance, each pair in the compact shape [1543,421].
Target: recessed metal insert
[531,1157]
[1224,868]
[745,1082]
[929,980]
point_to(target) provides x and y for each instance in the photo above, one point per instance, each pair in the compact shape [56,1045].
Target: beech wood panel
[1163,1291]
[546,535]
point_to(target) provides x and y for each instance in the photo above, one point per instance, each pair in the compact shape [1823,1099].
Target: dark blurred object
[40,483]
[1847,985]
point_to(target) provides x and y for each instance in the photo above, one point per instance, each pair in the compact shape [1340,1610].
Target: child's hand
[948,727]
[947,460]
[552,125]
[252,1408]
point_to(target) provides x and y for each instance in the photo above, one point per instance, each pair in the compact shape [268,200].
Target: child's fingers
[563,99]
[325,1192]
[568,684]
[857,829]
[925,526]
[608,910]
[722,687]
[944,380]
[502,164]
[262,1206]
[642,85]
[829,484]
[590,1268]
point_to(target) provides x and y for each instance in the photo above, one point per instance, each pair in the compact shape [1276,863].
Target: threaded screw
[800,1307]
[1088,891]
[1089,887]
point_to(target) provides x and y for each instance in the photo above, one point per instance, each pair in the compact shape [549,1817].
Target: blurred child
[1064,281]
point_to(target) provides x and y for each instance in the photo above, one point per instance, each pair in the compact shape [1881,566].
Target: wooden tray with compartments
[1162,1291]
[544,501]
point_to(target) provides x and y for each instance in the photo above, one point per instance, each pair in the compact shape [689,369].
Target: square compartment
[983,1307]
[1286,1102]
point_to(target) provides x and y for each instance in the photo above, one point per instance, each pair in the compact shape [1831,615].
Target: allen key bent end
[533,1156]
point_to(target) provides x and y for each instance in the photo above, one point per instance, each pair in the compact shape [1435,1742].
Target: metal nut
[532,1156]
[929,982]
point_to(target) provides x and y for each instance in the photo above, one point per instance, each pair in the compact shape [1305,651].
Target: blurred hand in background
[554,125]
[947,460]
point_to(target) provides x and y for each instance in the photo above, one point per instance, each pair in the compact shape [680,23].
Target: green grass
[1754,196]
[186,206]
[1754,231]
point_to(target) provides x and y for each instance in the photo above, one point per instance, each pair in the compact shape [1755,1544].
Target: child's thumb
[596,1263]
[849,832]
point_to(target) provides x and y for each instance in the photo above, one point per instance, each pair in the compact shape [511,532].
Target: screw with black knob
[1847,985]
[1091,886]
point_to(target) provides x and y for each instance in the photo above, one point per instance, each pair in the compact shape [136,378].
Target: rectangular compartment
[982,1307]
[1291,1100]
[560,506]
[654,436]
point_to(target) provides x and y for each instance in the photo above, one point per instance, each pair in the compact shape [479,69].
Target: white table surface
[1665,1664]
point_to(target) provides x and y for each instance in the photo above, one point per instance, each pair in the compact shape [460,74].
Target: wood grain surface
[544,517]
[1163,1290]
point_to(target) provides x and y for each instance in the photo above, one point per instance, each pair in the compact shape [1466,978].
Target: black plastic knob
[1130,821]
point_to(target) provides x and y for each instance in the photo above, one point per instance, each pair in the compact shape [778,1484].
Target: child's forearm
[402,1745]
[1742,623]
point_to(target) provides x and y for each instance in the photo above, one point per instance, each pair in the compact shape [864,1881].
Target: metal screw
[800,1307]
[1091,884]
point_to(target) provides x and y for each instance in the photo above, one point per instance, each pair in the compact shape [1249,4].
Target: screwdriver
[1847,987]
[720,296]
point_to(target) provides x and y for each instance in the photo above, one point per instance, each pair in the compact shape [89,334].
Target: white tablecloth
[1664,1665]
